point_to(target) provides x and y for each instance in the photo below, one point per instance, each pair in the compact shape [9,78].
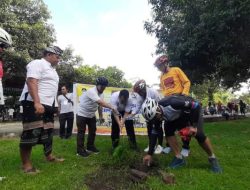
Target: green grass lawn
[231,142]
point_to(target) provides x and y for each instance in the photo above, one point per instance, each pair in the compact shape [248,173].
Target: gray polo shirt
[65,105]
[88,103]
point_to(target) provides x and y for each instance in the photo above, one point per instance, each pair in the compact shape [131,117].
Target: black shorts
[193,118]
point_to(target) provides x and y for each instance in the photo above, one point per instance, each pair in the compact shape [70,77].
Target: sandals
[31,171]
[54,159]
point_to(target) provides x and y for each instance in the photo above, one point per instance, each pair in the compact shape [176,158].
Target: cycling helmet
[5,38]
[161,60]
[54,49]
[139,85]
[102,81]
[149,109]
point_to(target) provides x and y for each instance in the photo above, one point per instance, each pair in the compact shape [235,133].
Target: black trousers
[158,126]
[63,119]
[115,132]
[81,123]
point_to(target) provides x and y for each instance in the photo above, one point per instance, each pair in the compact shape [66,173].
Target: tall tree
[88,74]
[208,39]
[66,68]
[27,22]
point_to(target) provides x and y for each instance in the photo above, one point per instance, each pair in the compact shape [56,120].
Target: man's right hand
[115,111]
[121,126]
[39,108]
[147,160]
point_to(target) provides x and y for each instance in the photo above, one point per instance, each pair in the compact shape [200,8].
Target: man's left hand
[102,120]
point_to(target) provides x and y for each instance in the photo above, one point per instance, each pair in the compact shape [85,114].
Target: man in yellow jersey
[173,81]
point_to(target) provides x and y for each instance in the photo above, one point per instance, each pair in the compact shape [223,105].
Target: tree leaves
[204,38]
[27,22]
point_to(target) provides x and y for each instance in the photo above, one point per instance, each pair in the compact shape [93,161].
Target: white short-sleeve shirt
[65,105]
[114,101]
[88,103]
[138,100]
[48,80]
[11,111]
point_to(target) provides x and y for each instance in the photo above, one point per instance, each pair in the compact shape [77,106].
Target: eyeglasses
[57,56]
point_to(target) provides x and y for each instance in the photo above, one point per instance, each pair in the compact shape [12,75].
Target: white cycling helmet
[5,38]
[149,109]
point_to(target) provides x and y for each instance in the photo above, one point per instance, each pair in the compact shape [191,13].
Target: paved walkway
[15,128]
[11,129]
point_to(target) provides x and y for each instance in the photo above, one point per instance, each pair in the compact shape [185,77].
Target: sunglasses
[4,46]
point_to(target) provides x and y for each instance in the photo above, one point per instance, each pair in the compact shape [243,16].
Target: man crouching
[178,112]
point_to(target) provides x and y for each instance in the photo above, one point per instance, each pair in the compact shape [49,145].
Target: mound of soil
[125,177]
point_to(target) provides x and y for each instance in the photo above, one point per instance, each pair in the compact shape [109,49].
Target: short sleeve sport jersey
[88,103]
[173,106]
[114,101]
[48,80]
[1,69]
[175,82]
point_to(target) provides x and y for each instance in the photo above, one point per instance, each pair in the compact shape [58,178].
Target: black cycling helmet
[102,81]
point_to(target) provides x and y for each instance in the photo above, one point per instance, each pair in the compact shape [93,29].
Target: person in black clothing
[242,107]
[178,111]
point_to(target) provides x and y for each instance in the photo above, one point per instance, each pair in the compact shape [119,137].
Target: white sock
[179,156]
[213,156]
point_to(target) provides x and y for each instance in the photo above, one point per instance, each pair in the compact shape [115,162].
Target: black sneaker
[84,154]
[93,150]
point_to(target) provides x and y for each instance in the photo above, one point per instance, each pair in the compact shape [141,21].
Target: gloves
[185,134]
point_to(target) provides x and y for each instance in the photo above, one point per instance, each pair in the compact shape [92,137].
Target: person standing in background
[65,108]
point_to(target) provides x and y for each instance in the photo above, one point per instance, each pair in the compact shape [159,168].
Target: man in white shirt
[123,103]
[90,102]
[38,101]
[65,106]
[11,113]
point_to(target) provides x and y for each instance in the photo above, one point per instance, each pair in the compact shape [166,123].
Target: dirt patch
[113,177]
[109,178]
[125,177]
